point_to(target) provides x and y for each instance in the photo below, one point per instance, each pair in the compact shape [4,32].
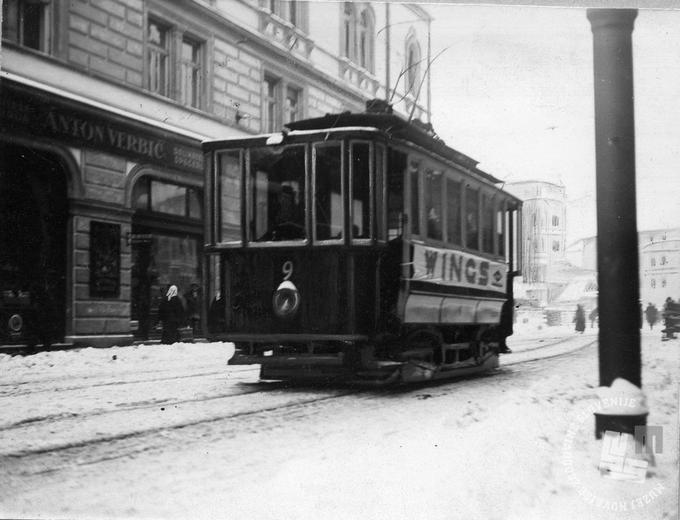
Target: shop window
[361,190]
[28,23]
[453,212]
[163,197]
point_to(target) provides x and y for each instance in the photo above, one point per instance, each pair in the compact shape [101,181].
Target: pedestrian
[652,315]
[193,303]
[216,314]
[669,318]
[171,315]
[580,319]
[593,317]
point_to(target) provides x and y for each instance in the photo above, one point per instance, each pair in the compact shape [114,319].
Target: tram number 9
[287,269]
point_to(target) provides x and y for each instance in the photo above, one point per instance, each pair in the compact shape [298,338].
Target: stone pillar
[617,237]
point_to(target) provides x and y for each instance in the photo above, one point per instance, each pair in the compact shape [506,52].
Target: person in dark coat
[651,314]
[171,315]
[580,319]
[593,317]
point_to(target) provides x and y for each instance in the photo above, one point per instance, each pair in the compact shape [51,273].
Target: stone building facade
[104,106]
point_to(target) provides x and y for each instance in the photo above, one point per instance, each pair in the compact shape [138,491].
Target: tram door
[33,219]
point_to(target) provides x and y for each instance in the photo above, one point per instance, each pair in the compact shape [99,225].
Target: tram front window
[277,178]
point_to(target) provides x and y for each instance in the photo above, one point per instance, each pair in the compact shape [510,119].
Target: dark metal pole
[617,237]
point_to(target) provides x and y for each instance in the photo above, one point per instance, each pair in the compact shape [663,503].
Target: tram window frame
[353,144]
[486,227]
[454,220]
[380,159]
[235,189]
[395,189]
[143,197]
[501,228]
[340,238]
[414,202]
[299,190]
[434,196]
[471,234]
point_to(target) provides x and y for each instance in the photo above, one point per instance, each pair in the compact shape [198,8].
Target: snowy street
[157,431]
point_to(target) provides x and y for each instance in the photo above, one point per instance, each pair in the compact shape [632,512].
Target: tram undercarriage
[414,359]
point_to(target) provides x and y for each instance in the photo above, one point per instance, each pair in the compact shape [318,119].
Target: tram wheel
[427,342]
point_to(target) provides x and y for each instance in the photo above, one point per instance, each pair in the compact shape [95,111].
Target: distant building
[659,259]
[543,239]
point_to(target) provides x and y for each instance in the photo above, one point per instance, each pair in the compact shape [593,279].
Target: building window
[191,71]
[277,108]
[28,23]
[366,40]
[292,105]
[555,221]
[174,71]
[556,245]
[663,260]
[270,121]
[288,10]
[348,31]
[412,65]
[158,58]
[663,283]
[653,283]
[653,261]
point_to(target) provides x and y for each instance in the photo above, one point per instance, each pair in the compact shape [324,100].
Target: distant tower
[543,231]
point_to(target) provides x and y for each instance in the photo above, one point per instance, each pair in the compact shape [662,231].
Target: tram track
[95,445]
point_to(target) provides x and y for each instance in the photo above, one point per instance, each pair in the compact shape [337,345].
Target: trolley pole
[617,236]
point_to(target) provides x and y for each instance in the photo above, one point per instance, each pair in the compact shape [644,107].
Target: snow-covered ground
[515,445]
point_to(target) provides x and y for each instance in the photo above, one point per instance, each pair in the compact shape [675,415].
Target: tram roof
[379,117]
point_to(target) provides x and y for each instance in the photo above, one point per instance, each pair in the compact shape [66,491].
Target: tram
[358,247]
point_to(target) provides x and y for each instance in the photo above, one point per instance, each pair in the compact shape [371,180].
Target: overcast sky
[514,90]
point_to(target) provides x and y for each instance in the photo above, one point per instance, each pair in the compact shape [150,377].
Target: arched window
[366,40]
[413,59]
[348,31]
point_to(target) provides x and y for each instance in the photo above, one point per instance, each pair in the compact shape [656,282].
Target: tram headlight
[286,300]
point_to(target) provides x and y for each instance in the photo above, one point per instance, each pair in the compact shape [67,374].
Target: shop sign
[42,114]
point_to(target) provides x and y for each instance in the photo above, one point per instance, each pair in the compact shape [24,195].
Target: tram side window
[487,224]
[395,193]
[471,218]
[380,191]
[415,198]
[453,212]
[277,180]
[433,204]
[328,212]
[361,190]
[229,203]
[500,231]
